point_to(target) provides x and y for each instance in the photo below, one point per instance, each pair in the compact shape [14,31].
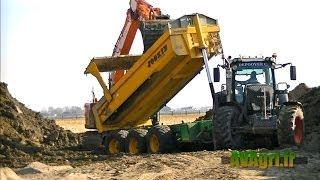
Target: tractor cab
[251,82]
[250,76]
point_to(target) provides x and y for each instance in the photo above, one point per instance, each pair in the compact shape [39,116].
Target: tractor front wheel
[227,117]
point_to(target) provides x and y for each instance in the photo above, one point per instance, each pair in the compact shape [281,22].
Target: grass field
[77,125]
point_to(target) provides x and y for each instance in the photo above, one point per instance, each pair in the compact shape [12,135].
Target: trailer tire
[225,118]
[291,128]
[160,139]
[136,142]
[114,142]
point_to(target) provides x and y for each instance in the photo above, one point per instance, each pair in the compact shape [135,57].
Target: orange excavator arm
[139,10]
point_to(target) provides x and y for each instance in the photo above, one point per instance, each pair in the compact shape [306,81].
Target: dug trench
[36,148]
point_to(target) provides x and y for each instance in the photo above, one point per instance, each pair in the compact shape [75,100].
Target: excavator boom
[139,11]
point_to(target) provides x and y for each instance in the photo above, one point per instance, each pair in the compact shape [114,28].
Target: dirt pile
[208,115]
[24,133]
[298,91]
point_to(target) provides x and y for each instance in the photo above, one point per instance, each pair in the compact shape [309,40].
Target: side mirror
[293,75]
[216,74]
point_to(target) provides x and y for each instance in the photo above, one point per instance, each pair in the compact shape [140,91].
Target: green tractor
[253,108]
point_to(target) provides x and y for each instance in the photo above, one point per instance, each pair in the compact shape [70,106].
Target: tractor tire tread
[222,127]
[286,124]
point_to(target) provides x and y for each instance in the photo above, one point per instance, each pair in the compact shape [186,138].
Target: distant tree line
[64,112]
[75,111]
[183,110]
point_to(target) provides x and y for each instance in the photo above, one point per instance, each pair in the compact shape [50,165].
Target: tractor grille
[259,98]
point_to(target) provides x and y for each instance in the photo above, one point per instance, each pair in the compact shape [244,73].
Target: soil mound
[25,133]
[310,99]
[298,91]
[208,115]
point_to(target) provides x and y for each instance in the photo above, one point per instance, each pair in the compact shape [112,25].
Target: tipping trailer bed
[153,78]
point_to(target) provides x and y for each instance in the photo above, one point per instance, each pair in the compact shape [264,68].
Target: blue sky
[46,45]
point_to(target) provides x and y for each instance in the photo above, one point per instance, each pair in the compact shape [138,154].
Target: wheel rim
[154,143]
[113,146]
[133,143]
[298,130]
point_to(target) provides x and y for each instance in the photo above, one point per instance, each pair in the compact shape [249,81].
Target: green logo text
[262,160]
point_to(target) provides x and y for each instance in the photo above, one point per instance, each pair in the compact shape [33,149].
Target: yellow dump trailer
[153,78]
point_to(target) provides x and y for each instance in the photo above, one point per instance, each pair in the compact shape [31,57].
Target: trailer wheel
[291,129]
[226,117]
[114,142]
[136,142]
[160,140]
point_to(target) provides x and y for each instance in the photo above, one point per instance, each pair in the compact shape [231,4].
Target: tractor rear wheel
[160,140]
[136,142]
[114,142]
[291,128]
[225,118]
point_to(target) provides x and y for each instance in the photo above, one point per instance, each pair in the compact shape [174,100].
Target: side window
[268,76]
[239,92]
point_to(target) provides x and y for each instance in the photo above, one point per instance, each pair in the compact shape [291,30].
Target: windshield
[251,73]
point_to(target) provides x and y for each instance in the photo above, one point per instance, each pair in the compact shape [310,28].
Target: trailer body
[153,78]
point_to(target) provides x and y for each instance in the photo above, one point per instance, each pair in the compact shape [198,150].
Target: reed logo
[158,55]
